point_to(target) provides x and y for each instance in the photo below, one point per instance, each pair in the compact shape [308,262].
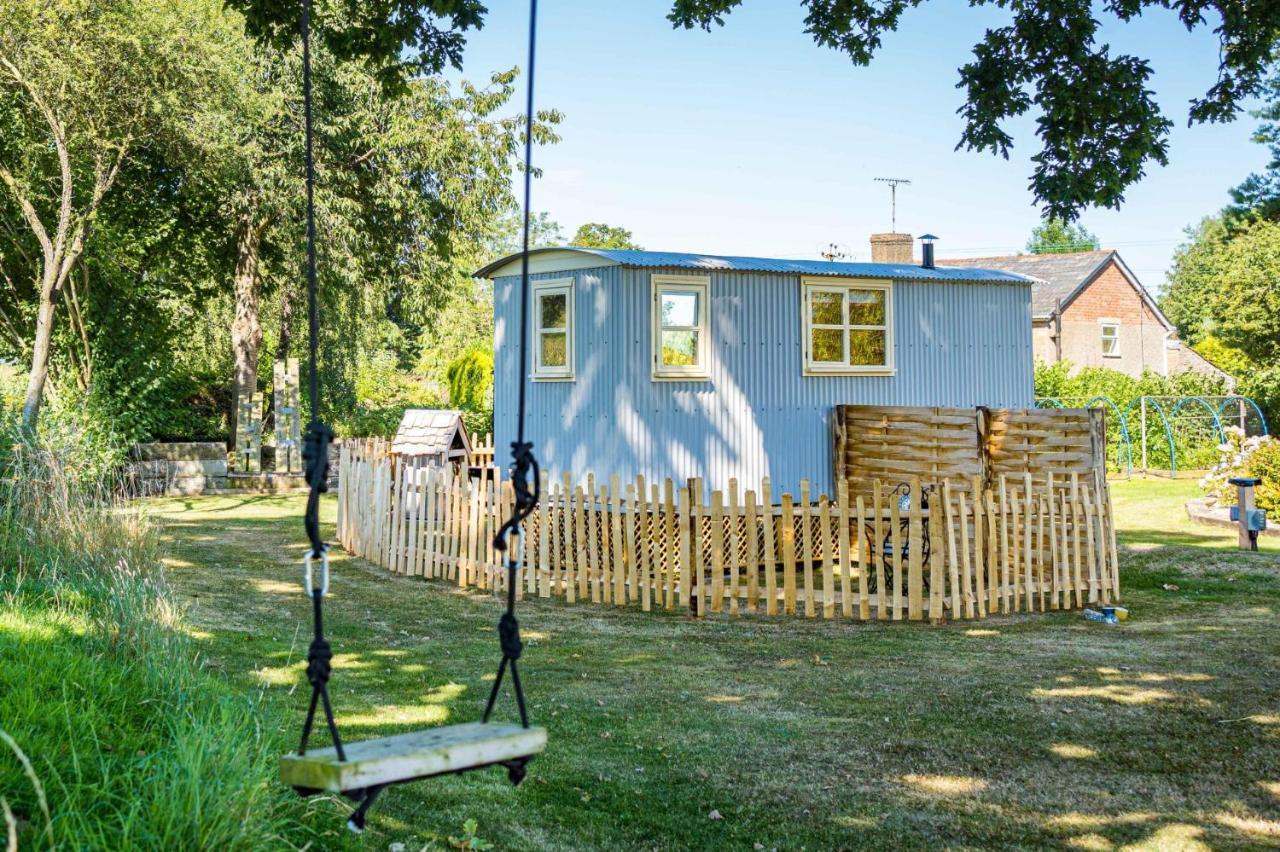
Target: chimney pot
[926,251]
[892,248]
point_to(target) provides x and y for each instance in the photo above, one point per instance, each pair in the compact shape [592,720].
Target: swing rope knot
[319,659]
[315,455]
[509,636]
[315,458]
[524,470]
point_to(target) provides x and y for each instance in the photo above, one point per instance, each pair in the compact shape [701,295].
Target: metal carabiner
[519,551]
[324,573]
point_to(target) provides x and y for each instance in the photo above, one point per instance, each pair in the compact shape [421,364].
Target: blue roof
[733,263]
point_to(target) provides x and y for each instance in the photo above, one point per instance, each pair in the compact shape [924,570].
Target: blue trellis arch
[1217,421]
[1124,429]
[1168,430]
[1262,420]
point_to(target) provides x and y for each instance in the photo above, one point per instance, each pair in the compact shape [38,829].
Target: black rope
[524,466]
[315,449]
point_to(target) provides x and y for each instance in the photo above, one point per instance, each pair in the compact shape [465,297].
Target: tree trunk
[246,328]
[288,297]
[39,354]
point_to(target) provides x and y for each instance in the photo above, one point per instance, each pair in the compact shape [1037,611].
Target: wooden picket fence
[1020,546]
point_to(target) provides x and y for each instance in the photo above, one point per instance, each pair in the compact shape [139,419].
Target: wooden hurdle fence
[974,551]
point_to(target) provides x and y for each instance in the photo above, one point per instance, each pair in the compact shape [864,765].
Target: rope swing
[362,770]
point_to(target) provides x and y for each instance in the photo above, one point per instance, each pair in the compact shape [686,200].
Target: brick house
[1090,309]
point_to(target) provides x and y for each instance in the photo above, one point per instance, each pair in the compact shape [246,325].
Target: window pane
[866,307]
[679,309]
[828,345]
[679,348]
[554,349]
[554,310]
[866,348]
[827,309]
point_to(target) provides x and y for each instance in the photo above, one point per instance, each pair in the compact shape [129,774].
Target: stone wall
[178,468]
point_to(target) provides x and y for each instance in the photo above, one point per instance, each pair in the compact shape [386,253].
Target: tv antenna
[894,183]
[833,251]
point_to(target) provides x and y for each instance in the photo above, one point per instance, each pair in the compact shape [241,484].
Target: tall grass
[114,736]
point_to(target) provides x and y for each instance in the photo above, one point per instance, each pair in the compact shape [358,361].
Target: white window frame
[537,290]
[1103,325]
[809,286]
[701,285]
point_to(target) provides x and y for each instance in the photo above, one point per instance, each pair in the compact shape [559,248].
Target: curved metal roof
[734,263]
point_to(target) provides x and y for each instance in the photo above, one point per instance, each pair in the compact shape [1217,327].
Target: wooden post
[732,546]
[753,558]
[806,548]
[936,581]
[828,558]
[1028,507]
[717,552]
[966,582]
[684,568]
[698,599]
[1005,555]
[846,563]
[864,564]
[952,562]
[616,540]
[787,532]
[915,553]
[670,542]
[592,518]
[770,552]
[876,556]
[895,558]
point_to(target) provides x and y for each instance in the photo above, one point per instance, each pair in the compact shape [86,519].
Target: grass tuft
[139,745]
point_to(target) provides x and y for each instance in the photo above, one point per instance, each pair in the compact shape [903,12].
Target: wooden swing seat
[405,757]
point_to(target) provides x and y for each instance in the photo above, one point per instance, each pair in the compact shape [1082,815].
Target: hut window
[848,327]
[1111,339]
[553,330]
[680,326]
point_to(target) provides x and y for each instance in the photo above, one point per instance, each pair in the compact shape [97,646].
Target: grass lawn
[754,732]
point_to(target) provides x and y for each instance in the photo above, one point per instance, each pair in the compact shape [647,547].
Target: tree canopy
[1099,123]
[1057,236]
[600,235]
[180,221]
[1260,192]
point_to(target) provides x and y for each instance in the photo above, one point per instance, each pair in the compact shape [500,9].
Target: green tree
[1192,289]
[1057,236]
[1246,302]
[84,89]
[1260,192]
[1099,125]
[600,235]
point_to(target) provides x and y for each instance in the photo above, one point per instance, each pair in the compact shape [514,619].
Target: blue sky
[753,140]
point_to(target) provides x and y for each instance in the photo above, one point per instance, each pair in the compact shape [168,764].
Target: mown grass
[1030,731]
[114,735]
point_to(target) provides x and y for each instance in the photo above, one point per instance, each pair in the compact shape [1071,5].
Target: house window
[1110,339]
[553,330]
[848,328]
[680,326]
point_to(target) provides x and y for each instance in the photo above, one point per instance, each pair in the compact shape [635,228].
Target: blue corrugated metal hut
[681,365]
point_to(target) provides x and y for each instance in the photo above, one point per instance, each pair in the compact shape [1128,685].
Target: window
[553,330]
[680,326]
[848,328]
[1110,339]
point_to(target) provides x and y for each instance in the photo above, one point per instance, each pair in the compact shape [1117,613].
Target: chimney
[891,248]
[926,251]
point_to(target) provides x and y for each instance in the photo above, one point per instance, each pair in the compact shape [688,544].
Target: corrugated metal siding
[957,345]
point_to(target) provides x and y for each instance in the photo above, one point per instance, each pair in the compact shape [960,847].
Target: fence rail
[1022,545]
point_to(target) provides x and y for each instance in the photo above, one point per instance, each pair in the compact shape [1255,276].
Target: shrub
[1257,456]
